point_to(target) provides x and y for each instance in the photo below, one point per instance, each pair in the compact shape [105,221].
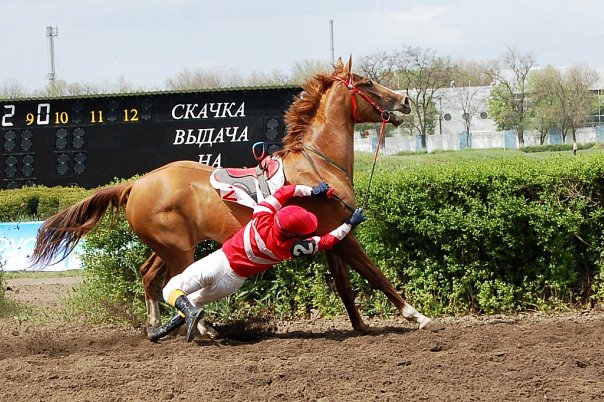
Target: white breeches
[206,280]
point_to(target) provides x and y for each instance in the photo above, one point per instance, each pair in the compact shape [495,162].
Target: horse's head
[372,102]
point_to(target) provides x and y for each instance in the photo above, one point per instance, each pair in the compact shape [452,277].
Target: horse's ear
[348,66]
[339,64]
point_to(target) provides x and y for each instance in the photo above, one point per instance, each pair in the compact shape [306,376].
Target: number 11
[96,116]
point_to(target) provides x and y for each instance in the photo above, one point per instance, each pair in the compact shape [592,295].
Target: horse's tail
[63,231]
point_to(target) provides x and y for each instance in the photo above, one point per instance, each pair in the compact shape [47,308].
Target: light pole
[333,60]
[51,33]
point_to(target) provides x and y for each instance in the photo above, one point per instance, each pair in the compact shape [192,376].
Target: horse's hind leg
[352,253]
[341,275]
[152,272]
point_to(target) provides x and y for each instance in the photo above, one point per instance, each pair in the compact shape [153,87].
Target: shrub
[489,237]
[556,147]
[112,290]
[33,203]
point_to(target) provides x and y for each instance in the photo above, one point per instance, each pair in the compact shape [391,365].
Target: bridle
[385,116]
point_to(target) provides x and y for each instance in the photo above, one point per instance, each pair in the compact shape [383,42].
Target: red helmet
[293,221]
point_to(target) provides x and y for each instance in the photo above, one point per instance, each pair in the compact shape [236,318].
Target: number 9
[30,118]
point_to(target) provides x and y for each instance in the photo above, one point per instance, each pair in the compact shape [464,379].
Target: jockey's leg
[203,282]
[192,314]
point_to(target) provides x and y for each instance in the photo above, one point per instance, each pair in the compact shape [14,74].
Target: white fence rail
[477,140]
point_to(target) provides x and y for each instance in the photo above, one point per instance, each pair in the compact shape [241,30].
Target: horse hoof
[429,325]
[362,328]
[206,330]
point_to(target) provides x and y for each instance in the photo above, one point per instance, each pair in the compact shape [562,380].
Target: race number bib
[304,247]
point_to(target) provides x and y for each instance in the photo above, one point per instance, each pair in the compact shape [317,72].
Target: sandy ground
[522,358]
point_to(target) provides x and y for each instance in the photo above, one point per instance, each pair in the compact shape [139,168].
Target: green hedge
[492,236]
[37,202]
[489,237]
[556,147]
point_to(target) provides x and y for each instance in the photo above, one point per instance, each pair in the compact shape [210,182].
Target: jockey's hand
[356,218]
[322,190]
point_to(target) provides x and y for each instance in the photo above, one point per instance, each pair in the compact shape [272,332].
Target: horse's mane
[303,110]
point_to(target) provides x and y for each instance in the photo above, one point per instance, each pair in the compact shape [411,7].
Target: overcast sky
[147,41]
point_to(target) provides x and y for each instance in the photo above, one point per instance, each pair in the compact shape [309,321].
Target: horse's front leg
[151,272]
[341,275]
[352,253]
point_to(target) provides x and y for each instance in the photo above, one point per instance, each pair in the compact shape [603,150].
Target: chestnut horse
[174,207]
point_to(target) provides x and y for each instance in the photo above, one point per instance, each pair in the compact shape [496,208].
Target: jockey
[274,234]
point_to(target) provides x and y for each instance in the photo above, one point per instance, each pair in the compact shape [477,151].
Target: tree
[544,102]
[466,97]
[579,100]
[11,89]
[477,73]
[562,100]
[508,104]
[303,70]
[64,88]
[224,78]
[276,77]
[420,73]
[205,79]
[379,67]
[123,86]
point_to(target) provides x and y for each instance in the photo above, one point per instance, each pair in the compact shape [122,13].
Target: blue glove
[356,218]
[320,190]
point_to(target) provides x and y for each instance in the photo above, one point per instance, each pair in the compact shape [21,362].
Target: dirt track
[529,358]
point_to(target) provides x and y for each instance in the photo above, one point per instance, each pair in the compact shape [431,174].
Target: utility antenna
[333,60]
[51,33]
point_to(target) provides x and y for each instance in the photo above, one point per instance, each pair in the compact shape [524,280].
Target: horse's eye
[369,83]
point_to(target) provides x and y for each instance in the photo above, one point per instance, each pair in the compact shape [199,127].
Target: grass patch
[3,301]
[19,311]
[41,274]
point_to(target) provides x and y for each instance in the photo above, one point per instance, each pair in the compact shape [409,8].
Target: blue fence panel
[599,133]
[555,136]
[418,143]
[465,140]
[510,139]
[17,241]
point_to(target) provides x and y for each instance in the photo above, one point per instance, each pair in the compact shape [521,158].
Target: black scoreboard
[89,141]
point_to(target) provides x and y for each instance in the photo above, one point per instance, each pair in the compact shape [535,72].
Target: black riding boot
[154,334]
[192,315]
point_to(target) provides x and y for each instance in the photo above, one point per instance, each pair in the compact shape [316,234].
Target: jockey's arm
[313,245]
[277,200]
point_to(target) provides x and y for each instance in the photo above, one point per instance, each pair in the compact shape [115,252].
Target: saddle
[251,185]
